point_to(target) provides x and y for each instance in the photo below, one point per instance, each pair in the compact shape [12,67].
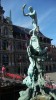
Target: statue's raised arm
[23,10]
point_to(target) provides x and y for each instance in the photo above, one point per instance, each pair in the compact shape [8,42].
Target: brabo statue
[33,15]
[35,80]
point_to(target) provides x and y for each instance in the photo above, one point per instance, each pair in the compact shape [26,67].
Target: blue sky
[46,15]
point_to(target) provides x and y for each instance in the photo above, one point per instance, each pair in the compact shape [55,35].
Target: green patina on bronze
[35,81]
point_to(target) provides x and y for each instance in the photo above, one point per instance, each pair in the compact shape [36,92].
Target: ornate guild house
[13,42]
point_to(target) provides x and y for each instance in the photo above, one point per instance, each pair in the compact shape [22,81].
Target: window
[48,41]
[40,39]
[23,57]
[26,37]
[18,70]
[5,31]
[0,44]
[0,59]
[19,58]
[25,70]
[9,45]
[5,59]
[0,30]
[46,68]
[23,45]
[4,44]
[23,36]
[44,40]
[0,17]
[18,45]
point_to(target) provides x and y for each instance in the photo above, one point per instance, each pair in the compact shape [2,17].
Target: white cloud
[46,15]
[46,19]
[27,24]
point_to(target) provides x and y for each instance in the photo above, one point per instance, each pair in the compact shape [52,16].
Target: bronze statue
[35,80]
[33,15]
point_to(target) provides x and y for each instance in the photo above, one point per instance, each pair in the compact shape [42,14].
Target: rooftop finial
[0,2]
[10,14]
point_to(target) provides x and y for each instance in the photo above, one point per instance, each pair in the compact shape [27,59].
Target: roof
[22,30]
[43,36]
